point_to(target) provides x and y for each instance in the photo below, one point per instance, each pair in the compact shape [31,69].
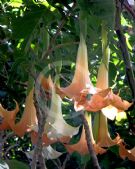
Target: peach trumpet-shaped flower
[81,78]
[81,146]
[103,137]
[28,118]
[58,127]
[124,153]
[103,98]
[55,129]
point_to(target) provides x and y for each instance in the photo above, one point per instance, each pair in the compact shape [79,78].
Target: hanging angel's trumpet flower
[81,145]
[81,78]
[59,127]
[28,118]
[5,115]
[124,153]
[104,96]
[56,128]
[102,135]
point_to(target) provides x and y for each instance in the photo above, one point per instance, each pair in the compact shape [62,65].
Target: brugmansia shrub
[98,103]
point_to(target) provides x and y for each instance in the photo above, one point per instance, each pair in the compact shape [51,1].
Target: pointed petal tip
[125,153]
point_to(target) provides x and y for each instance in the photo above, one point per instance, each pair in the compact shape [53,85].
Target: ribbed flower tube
[81,78]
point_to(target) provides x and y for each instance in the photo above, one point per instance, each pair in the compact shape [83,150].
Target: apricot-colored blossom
[28,118]
[59,127]
[56,128]
[81,78]
[103,137]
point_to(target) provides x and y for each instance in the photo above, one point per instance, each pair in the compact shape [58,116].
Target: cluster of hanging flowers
[102,102]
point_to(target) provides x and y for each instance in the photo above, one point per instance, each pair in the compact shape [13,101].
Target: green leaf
[112,74]
[14,164]
[24,26]
[114,149]
[106,163]
[85,159]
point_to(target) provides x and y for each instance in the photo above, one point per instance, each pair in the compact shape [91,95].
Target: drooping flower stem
[105,46]
[83,24]
[89,142]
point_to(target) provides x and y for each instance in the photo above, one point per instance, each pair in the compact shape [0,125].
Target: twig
[41,115]
[89,142]
[41,161]
[9,148]
[1,144]
[124,49]
[65,162]
[129,8]
[52,42]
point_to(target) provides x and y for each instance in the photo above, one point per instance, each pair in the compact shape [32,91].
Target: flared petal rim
[100,100]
